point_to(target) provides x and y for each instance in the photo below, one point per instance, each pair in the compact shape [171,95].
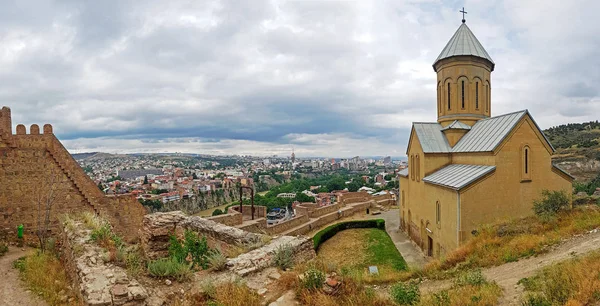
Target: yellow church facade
[470,168]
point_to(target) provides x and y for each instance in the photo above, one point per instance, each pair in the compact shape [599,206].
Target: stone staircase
[75,173]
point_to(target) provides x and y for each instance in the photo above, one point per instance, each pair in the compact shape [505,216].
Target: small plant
[193,246]
[217,212]
[216,260]
[169,267]
[284,257]
[3,248]
[313,279]
[551,203]
[405,293]
[441,299]
[473,278]
[536,300]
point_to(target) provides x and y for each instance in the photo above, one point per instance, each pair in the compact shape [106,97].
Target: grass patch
[470,288]
[572,282]
[331,230]
[354,250]
[227,294]
[509,241]
[3,248]
[170,267]
[44,275]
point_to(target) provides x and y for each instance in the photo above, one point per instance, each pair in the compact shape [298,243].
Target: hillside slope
[577,148]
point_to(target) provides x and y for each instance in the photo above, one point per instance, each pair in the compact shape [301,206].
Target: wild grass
[44,274]
[170,267]
[283,257]
[574,282]
[509,241]
[226,294]
[470,288]
[216,260]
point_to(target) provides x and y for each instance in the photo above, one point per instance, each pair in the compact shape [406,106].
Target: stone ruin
[98,282]
[158,227]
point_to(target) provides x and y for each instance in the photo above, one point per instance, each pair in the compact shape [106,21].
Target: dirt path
[12,291]
[507,275]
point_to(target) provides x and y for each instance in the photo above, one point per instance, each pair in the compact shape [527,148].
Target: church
[471,168]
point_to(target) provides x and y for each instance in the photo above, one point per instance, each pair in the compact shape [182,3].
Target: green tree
[301,197]
[194,176]
[145,180]
[336,184]
[354,186]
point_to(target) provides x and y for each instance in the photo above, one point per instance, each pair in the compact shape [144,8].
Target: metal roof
[403,172]
[457,125]
[464,42]
[458,176]
[487,134]
[431,137]
[563,171]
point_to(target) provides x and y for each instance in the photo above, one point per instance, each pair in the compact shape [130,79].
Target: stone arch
[34,129]
[21,129]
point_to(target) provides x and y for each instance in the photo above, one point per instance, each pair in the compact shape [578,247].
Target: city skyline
[328,79]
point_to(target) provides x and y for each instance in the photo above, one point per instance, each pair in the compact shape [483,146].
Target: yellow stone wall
[453,71]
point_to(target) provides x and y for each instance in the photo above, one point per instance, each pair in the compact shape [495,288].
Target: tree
[301,197]
[44,197]
[194,176]
[100,186]
[354,186]
[145,180]
[336,184]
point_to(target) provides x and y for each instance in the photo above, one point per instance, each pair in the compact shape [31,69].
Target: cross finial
[463,12]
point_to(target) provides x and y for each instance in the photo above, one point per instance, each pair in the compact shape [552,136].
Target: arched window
[526,163]
[418,168]
[476,95]
[448,96]
[487,96]
[438,213]
[439,97]
[411,167]
[403,201]
[462,95]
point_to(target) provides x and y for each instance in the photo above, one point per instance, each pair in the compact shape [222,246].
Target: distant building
[286,195]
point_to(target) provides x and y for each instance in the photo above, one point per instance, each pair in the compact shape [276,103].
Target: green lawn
[354,250]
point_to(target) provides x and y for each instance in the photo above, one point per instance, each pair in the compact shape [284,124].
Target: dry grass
[227,294]
[350,292]
[483,295]
[346,248]
[44,275]
[572,282]
[509,241]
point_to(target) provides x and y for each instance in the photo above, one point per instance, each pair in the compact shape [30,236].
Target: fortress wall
[34,166]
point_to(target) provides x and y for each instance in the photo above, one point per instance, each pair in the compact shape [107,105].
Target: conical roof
[464,42]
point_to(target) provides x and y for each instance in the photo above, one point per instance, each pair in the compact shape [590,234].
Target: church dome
[464,43]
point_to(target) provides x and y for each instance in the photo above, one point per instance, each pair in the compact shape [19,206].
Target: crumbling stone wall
[98,282]
[27,164]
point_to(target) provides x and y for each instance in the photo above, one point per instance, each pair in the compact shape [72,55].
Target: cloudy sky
[327,78]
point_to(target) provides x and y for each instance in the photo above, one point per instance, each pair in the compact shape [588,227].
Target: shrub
[473,278]
[405,293]
[313,279]
[192,245]
[169,267]
[536,300]
[331,230]
[284,257]
[217,212]
[551,203]
[216,260]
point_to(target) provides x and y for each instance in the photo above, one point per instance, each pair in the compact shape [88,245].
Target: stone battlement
[29,161]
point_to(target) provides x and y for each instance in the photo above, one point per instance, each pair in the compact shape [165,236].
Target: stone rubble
[261,258]
[100,283]
[156,229]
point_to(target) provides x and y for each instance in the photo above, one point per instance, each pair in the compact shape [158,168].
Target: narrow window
[448,96]
[526,161]
[487,98]
[418,168]
[438,213]
[476,95]
[463,94]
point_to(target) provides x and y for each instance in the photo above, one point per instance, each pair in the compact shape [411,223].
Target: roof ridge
[507,114]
